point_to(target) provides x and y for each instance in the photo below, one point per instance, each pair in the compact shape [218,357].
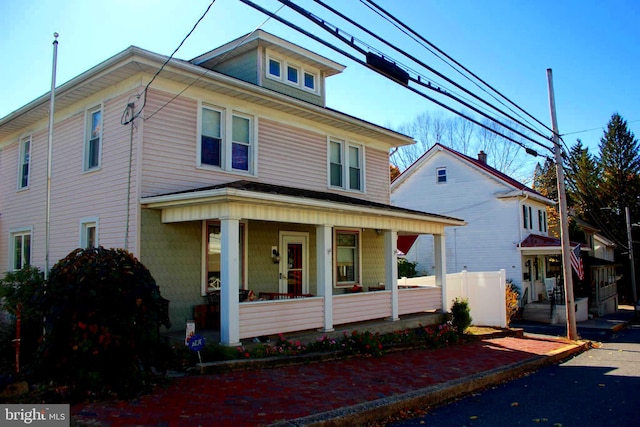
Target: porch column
[324,261]
[391,269]
[230,281]
[440,256]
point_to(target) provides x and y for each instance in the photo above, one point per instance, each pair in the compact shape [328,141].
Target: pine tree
[620,184]
[546,183]
[583,177]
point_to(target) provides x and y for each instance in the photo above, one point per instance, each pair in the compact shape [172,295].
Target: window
[226,140]
[527,217]
[342,154]
[24,162]
[544,219]
[347,257]
[292,74]
[274,68]
[441,175]
[213,251]
[310,81]
[241,141]
[211,137]
[20,255]
[89,233]
[93,138]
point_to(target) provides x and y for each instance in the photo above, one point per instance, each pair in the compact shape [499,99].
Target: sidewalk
[340,392]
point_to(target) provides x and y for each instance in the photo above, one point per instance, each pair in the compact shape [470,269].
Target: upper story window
[24,163]
[228,146]
[93,139]
[542,220]
[346,165]
[294,74]
[20,255]
[441,175]
[310,81]
[275,68]
[527,217]
[89,233]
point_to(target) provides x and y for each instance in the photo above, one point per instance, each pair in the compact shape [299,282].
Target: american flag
[576,262]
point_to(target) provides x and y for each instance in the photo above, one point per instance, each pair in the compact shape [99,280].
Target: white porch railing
[484,290]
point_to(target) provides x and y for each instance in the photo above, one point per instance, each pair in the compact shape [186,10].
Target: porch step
[537,312]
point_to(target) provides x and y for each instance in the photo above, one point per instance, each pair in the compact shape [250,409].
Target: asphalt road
[600,387]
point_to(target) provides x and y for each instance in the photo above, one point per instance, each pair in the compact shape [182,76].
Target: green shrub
[460,312]
[103,313]
[23,289]
[406,268]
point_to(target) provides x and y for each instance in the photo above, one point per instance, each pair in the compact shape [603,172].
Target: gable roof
[517,186]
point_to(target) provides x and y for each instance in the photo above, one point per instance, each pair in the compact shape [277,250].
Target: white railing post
[324,260]
[391,269]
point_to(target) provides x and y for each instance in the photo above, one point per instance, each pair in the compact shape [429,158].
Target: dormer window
[292,74]
[275,69]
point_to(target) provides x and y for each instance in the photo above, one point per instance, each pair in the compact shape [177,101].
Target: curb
[433,395]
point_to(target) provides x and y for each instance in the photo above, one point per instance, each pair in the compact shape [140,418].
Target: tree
[583,176]
[545,182]
[394,172]
[620,183]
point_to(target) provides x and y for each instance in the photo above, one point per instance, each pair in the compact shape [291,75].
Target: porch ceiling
[249,200]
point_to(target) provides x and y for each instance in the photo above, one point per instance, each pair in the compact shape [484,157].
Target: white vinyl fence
[485,292]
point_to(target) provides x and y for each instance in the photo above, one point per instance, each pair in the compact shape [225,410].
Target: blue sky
[592,46]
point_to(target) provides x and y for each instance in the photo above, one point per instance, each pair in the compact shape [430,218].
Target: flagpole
[49,155]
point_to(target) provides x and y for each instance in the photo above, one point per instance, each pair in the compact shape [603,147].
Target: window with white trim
[527,217]
[89,232]
[226,140]
[20,254]
[346,165]
[441,175]
[93,139]
[24,164]
[347,249]
[294,74]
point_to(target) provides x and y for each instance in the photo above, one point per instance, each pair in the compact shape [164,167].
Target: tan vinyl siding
[173,255]
[361,306]
[419,300]
[373,271]
[292,91]
[377,175]
[243,67]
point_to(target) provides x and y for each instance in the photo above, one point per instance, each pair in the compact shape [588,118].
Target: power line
[323,23]
[592,129]
[336,32]
[398,22]
[361,62]
[144,92]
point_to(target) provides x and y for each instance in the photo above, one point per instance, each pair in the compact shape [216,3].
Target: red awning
[405,242]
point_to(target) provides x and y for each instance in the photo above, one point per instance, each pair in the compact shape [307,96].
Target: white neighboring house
[501,213]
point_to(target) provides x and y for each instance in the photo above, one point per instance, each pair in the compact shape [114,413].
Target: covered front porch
[283,260]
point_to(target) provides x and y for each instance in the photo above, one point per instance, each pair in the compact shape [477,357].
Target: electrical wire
[406,54]
[387,16]
[144,92]
[359,61]
[336,33]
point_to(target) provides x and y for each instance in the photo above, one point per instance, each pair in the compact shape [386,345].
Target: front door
[293,263]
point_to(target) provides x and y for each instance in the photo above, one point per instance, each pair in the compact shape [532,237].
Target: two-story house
[228,177]
[506,220]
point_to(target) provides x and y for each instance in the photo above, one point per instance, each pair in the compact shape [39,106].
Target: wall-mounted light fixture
[275,255]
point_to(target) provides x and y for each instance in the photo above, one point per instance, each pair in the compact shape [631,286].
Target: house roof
[276,44]
[295,201]
[539,241]
[134,60]
[516,185]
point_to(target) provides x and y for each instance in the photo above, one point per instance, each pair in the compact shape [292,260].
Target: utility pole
[572,332]
[631,260]
[52,96]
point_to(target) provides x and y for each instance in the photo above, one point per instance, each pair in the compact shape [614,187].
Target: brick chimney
[482,157]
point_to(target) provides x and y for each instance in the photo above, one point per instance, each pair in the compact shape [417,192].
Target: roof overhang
[523,194]
[227,202]
[135,61]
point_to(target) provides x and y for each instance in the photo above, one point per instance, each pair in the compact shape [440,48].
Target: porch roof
[260,201]
[538,244]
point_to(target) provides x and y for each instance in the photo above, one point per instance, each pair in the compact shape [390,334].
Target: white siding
[494,227]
